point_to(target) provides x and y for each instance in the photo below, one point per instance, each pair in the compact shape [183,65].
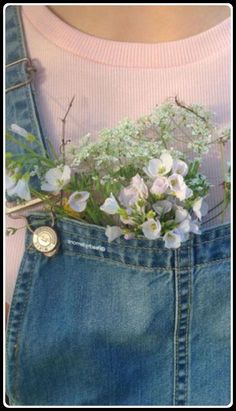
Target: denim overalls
[125,323]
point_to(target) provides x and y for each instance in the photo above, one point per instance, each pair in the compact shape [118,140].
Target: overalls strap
[20,105]
[20,101]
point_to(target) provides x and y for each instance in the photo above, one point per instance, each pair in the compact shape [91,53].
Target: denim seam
[25,303]
[17,287]
[18,324]
[178,327]
[146,268]
[188,322]
[212,261]
[183,283]
[141,266]
[197,243]
[118,244]
[177,313]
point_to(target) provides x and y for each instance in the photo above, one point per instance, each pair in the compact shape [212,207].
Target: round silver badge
[45,239]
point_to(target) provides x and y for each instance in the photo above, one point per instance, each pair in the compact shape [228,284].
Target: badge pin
[45,240]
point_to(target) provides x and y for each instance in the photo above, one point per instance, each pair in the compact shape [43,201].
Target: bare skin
[147,24]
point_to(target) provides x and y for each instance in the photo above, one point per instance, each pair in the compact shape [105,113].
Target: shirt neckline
[128,54]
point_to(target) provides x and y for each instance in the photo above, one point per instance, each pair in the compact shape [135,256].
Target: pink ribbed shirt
[112,80]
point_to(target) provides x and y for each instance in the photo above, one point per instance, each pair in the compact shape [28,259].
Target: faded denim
[125,323]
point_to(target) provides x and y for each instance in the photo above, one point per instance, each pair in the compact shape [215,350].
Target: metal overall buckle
[45,238]
[30,69]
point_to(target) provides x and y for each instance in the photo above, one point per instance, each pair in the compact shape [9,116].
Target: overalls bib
[121,323]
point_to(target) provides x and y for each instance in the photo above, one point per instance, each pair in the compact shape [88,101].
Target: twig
[216,206]
[63,144]
[217,215]
[222,157]
[189,109]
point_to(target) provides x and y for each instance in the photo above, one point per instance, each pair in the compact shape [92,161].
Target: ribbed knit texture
[112,80]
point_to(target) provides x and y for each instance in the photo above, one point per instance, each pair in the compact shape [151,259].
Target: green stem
[53,150]
[29,150]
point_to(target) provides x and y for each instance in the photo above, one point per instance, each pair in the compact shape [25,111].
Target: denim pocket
[88,322]
[126,323]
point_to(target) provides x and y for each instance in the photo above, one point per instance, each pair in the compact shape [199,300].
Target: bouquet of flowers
[130,179]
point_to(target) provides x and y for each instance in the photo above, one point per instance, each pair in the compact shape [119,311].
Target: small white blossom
[194,227]
[180,167]
[19,130]
[151,229]
[10,181]
[18,188]
[110,206]
[128,196]
[188,192]
[200,208]
[172,239]
[56,178]
[113,232]
[129,236]
[181,214]
[176,182]
[183,229]
[157,167]
[162,207]
[139,185]
[183,234]
[178,187]
[78,200]
[183,217]
[160,185]
[128,220]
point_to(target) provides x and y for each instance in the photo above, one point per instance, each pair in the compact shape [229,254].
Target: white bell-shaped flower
[78,200]
[172,239]
[151,228]
[200,208]
[110,206]
[56,178]
[113,232]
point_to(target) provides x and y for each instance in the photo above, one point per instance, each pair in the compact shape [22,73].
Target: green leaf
[30,138]
[193,169]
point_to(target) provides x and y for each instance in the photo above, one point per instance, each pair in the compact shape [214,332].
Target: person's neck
[146,24]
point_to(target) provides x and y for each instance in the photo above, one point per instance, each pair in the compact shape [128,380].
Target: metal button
[53,252]
[45,239]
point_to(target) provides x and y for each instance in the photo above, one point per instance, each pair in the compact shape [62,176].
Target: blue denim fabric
[20,104]
[125,323]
